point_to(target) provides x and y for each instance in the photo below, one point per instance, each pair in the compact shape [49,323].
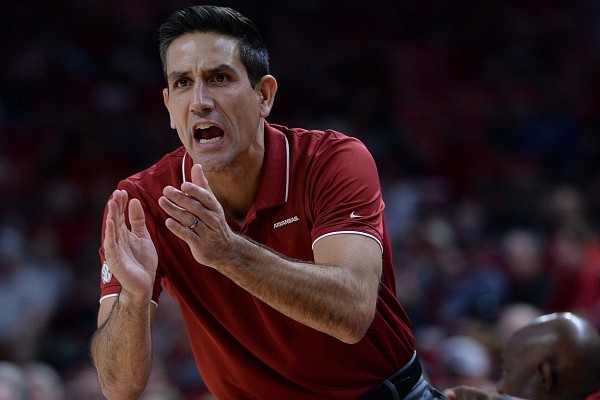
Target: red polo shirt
[313,184]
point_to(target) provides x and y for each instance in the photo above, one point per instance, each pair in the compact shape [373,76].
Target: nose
[202,100]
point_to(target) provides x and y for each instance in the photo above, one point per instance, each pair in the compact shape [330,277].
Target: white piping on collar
[183,165]
[287,167]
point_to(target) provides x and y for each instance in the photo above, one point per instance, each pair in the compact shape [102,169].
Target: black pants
[401,383]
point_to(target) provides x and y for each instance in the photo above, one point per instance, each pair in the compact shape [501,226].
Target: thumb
[198,177]
[450,394]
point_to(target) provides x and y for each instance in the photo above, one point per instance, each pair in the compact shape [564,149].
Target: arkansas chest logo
[286,222]
[106,274]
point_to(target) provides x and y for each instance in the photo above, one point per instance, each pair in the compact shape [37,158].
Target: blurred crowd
[483,117]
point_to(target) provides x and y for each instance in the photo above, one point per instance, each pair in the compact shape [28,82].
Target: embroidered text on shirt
[286,222]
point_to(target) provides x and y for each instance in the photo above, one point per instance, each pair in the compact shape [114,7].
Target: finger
[184,208]
[120,197]
[200,189]
[110,230]
[191,192]
[195,223]
[112,219]
[181,215]
[115,224]
[137,219]
[112,234]
[178,198]
[181,231]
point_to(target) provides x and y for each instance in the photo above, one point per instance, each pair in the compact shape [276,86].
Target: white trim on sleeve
[107,296]
[351,232]
[116,294]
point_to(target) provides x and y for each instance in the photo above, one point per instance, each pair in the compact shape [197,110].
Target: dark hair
[221,20]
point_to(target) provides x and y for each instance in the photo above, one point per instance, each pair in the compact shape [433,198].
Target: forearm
[328,298]
[121,350]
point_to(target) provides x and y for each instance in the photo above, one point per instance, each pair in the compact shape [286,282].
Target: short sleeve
[345,190]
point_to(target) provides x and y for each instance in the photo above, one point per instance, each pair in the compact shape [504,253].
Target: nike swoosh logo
[353,215]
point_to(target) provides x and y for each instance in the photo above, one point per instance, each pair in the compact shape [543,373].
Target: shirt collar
[275,180]
[275,175]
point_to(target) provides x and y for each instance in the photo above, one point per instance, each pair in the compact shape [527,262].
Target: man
[556,357]
[271,240]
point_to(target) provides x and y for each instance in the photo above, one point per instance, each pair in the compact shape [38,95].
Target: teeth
[205,141]
[203,126]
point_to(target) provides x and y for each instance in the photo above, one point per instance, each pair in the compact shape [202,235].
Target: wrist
[133,299]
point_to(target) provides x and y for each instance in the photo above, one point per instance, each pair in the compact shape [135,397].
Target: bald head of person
[556,356]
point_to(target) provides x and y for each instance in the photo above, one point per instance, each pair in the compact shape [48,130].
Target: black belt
[399,384]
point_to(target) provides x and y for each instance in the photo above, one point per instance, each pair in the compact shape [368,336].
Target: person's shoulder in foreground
[555,357]
[471,393]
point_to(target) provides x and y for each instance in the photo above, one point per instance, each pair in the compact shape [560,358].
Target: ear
[166,101]
[266,88]
[546,373]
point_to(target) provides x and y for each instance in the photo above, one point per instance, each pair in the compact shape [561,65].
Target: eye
[220,78]
[181,83]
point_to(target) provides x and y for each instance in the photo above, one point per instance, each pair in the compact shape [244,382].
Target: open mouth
[206,133]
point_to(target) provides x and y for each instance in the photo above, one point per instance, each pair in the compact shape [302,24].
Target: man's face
[216,112]
[519,371]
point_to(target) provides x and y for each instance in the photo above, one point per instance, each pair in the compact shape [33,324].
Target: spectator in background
[43,381]
[514,317]
[522,257]
[13,382]
[557,356]
[574,259]
[83,385]
[573,254]
[163,393]
[464,360]
[29,295]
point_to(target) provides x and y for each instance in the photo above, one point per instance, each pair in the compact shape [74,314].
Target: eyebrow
[175,75]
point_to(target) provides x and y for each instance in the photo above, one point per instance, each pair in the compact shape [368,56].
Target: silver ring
[193,225]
